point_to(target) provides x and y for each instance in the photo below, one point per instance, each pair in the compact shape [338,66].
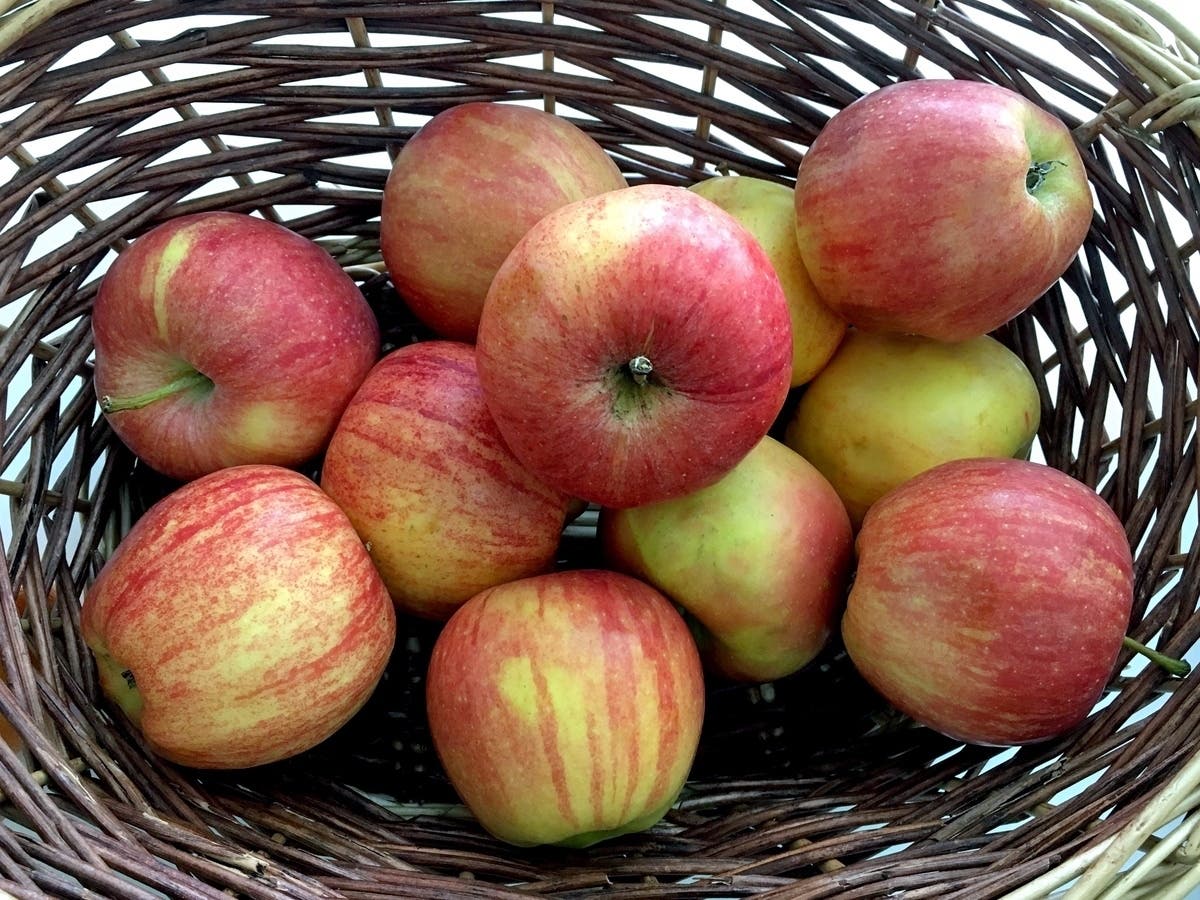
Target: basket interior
[115,116]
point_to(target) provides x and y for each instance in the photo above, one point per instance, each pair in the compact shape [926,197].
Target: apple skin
[240,621]
[760,560]
[653,274]
[913,216]
[991,600]
[566,708]
[463,191]
[767,209]
[8,733]
[417,464]
[275,334]
[890,406]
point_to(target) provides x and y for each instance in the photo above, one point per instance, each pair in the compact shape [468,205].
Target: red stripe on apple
[240,621]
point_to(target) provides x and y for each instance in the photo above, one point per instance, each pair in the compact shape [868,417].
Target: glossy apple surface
[417,464]
[223,339]
[760,559]
[635,345]
[991,600]
[566,708]
[888,407]
[767,209]
[240,621]
[465,188]
[940,207]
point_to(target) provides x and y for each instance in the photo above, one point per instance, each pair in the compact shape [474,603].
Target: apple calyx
[1176,667]
[1035,176]
[187,381]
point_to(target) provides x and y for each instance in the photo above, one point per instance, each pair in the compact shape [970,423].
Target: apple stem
[182,383]
[1177,667]
[1037,172]
[640,367]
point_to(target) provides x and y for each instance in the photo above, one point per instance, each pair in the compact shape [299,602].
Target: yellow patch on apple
[173,254]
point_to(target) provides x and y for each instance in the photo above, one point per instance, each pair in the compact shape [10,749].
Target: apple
[760,560]
[21,600]
[991,600]
[767,209]
[635,345]
[240,621]
[462,192]
[890,406]
[417,464]
[8,732]
[222,339]
[940,207]
[566,708]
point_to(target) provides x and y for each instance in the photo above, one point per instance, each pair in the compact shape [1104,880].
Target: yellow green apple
[767,210]
[890,406]
[760,560]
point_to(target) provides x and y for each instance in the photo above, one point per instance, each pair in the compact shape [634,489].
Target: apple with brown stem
[635,345]
[940,207]
[991,599]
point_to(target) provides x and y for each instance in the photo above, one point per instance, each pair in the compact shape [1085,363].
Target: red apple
[635,345]
[463,191]
[566,708]
[940,207]
[760,559]
[222,339]
[991,600]
[417,464]
[240,621]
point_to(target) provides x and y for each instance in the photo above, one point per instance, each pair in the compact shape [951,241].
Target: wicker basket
[118,114]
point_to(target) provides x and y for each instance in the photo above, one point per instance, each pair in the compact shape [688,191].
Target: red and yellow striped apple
[417,464]
[566,708]
[889,406]
[223,339]
[240,621]
[940,207]
[991,600]
[760,560]
[635,345]
[462,192]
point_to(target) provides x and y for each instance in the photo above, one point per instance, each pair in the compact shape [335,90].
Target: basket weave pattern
[806,788]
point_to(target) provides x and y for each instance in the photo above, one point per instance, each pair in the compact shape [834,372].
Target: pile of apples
[784,403]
